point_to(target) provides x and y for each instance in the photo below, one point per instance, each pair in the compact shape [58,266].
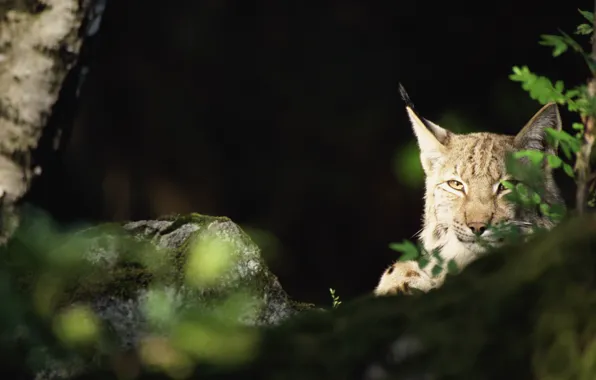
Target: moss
[123,282]
[524,312]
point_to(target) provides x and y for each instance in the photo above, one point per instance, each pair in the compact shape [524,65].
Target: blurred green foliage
[57,279]
[408,169]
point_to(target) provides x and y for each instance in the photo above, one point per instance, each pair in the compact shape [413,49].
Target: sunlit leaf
[584,29]
[535,156]
[544,209]
[554,161]
[568,170]
[77,325]
[409,250]
[508,184]
[536,198]
[208,259]
[558,43]
[587,15]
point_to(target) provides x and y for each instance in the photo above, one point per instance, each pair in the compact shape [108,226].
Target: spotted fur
[454,218]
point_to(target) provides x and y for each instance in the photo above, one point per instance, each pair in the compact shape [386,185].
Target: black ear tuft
[405,96]
[410,105]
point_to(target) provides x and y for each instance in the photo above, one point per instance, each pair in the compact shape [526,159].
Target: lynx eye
[456,185]
[502,187]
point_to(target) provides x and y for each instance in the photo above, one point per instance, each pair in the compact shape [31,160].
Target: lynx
[464,195]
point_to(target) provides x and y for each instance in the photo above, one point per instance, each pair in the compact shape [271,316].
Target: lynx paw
[403,277]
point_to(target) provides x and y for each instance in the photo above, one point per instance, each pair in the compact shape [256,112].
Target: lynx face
[464,194]
[464,185]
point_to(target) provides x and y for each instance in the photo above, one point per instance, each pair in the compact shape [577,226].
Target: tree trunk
[39,44]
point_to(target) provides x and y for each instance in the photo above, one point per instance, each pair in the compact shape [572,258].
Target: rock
[127,268]
[173,236]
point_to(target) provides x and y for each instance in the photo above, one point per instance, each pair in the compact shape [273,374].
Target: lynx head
[464,195]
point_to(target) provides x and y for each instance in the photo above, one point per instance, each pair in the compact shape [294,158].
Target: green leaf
[578,126]
[536,198]
[544,209]
[522,191]
[508,185]
[540,88]
[533,155]
[557,42]
[568,170]
[452,267]
[436,270]
[409,250]
[423,262]
[529,174]
[557,211]
[565,139]
[566,151]
[587,15]
[574,92]
[553,161]
[584,29]
[544,91]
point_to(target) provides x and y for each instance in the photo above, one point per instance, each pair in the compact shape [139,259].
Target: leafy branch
[410,252]
[579,99]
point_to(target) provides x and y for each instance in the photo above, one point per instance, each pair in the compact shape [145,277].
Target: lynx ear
[431,138]
[533,135]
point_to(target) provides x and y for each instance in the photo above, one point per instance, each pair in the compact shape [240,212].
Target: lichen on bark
[39,43]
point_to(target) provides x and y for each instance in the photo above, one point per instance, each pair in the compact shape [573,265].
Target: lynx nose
[477,228]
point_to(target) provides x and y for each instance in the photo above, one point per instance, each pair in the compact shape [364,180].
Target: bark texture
[39,44]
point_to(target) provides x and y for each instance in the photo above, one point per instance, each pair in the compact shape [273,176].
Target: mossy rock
[152,251]
[114,268]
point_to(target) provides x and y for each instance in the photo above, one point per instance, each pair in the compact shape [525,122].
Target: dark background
[285,116]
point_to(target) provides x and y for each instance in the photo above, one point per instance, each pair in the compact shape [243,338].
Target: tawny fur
[477,162]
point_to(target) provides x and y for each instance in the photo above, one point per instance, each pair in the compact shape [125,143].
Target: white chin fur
[461,252]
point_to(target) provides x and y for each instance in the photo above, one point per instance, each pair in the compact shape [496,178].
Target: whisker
[417,233]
